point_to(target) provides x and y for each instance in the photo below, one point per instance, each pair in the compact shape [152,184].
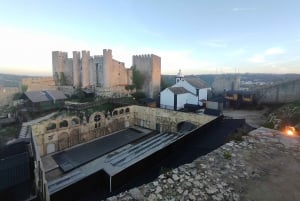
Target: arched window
[115,113]
[51,126]
[74,122]
[63,124]
[127,110]
[121,111]
[97,117]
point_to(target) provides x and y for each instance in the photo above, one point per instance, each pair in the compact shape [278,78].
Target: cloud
[274,51]
[267,54]
[257,59]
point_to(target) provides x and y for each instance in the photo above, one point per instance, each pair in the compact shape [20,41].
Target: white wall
[167,99]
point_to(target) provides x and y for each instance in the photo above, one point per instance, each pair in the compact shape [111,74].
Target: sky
[196,36]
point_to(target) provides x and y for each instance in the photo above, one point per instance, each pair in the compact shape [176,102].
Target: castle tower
[76,69]
[150,67]
[179,76]
[107,63]
[85,69]
[58,65]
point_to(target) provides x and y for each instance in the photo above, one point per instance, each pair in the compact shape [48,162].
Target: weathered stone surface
[261,154]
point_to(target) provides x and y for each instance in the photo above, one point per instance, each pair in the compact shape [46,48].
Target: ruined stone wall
[150,67]
[57,135]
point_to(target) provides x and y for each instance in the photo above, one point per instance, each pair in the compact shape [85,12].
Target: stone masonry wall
[281,93]
[67,132]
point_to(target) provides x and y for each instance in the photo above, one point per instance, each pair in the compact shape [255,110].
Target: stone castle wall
[280,93]
[150,67]
[90,72]
[39,83]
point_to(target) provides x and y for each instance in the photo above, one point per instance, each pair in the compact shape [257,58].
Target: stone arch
[63,141]
[51,126]
[185,126]
[75,121]
[127,110]
[115,113]
[74,137]
[63,124]
[97,117]
[121,111]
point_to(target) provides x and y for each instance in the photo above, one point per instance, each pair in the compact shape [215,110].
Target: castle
[103,73]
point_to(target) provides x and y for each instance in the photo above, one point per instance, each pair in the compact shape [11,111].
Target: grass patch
[227,155]
[268,125]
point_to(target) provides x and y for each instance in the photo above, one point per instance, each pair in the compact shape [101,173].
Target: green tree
[24,88]
[137,78]
[62,79]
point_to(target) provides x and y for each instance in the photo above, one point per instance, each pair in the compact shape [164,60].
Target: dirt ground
[254,118]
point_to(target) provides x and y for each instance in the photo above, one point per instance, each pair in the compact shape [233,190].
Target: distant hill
[169,80]
[9,80]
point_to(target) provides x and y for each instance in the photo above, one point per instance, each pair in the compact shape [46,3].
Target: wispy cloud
[267,54]
[274,51]
[257,59]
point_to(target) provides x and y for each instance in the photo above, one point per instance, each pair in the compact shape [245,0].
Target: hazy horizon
[199,37]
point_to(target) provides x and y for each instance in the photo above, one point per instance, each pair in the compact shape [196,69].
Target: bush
[227,155]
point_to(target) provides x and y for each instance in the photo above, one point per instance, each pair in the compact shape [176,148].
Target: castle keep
[150,67]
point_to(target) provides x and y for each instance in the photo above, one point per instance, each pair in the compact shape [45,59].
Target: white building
[185,91]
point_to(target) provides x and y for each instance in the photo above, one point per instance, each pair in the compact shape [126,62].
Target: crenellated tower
[150,67]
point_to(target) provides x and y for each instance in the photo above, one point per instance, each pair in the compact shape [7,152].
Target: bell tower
[179,76]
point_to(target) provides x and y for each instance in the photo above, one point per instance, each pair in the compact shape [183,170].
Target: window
[97,118]
[127,110]
[121,111]
[74,122]
[63,124]
[51,126]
